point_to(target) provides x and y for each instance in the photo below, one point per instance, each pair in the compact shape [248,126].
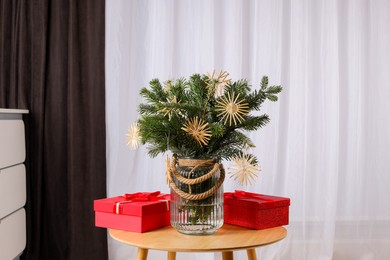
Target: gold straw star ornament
[231,108]
[218,82]
[198,129]
[167,85]
[133,137]
[243,169]
[170,110]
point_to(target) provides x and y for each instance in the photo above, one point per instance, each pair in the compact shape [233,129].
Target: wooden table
[226,240]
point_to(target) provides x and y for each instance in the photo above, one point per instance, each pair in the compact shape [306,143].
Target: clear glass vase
[196,217]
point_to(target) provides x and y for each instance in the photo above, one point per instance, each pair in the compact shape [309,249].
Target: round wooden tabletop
[227,238]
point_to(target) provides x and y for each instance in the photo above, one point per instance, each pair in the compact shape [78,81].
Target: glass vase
[197,216]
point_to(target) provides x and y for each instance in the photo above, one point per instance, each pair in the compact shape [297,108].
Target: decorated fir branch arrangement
[205,116]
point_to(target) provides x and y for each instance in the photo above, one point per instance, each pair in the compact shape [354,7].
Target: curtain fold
[52,63]
[326,146]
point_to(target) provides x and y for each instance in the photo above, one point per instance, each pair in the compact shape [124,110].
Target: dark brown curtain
[52,63]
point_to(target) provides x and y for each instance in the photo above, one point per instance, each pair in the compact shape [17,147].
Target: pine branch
[157,88]
[264,83]
[197,91]
[217,129]
[167,108]
[226,154]
[255,99]
[272,98]
[252,123]
[156,148]
[240,87]
[274,90]
[152,97]
[180,107]
[145,109]
[233,141]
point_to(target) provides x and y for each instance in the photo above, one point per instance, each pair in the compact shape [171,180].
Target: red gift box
[257,211]
[138,212]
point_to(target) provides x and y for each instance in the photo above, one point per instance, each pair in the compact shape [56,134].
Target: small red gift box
[138,212]
[254,210]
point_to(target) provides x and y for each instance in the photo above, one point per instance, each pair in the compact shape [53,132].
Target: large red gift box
[138,212]
[254,210]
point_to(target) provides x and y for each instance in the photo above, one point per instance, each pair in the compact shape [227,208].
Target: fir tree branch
[166,110]
[146,109]
[264,83]
[255,99]
[253,123]
[274,90]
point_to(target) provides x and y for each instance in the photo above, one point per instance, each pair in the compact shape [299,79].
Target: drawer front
[12,142]
[13,234]
[12,189]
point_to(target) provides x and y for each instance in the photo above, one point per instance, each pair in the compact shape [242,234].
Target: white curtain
[327,145]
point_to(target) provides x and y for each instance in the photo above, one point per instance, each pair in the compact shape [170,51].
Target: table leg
[251,254]
[142,253]
[171,255]
[227,255]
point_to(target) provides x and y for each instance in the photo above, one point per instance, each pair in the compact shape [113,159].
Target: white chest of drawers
[12,183]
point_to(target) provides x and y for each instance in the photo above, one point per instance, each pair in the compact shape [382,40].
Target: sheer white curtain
[327,145]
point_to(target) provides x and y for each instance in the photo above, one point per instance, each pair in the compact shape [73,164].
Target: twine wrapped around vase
[172,171]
